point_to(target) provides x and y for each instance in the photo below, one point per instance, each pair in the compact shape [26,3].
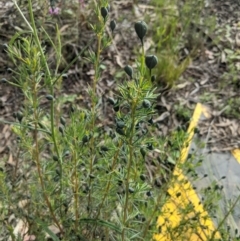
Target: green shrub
[77,179]
[178,36]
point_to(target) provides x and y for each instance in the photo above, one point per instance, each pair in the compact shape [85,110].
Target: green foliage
[82,181]
[177,36]
[87,181]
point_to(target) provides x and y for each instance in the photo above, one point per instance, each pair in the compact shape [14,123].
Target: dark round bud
[56,178]
[150,146]
[146,104]
[9,70]
[3,80]
[60,128]
[120,124]
[104,148]
[111,101]
[5,46]
[151,61]
[129,71]
[64,76]
[153,78]
[85,139]
[116,107]
[49,97]
[104,12]
[131,190]
[62,121]
[112,25]
[120,131]
[141,29]
[58,172]
[143,152]
[142,177]
[19,116]
[55,158]
[149,193]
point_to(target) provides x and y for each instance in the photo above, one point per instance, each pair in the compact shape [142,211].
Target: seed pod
[58,172]
[104,148]
[143,152]
[65,76]
[142,177]
[104,12]
[111,101]
[5,46]
[55,158]
[85,139]
[19,116]
[129,71]
[116,107]
[131,190]
[149,193]
[151,61]
[112,25]
[60,128]
[141,29]
[146,104]
[56,178]
[3,80]
[120,124]
[63,121]
[150,146]
[120,131]
[153,78]
[9,70]
[49,97]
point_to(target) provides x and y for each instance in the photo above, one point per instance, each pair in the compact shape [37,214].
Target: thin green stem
[36,154]
[129,166]
[109,180]
[76,188]
[224,219]
[22,15]
[142,66]
[33,28]
[93,97]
